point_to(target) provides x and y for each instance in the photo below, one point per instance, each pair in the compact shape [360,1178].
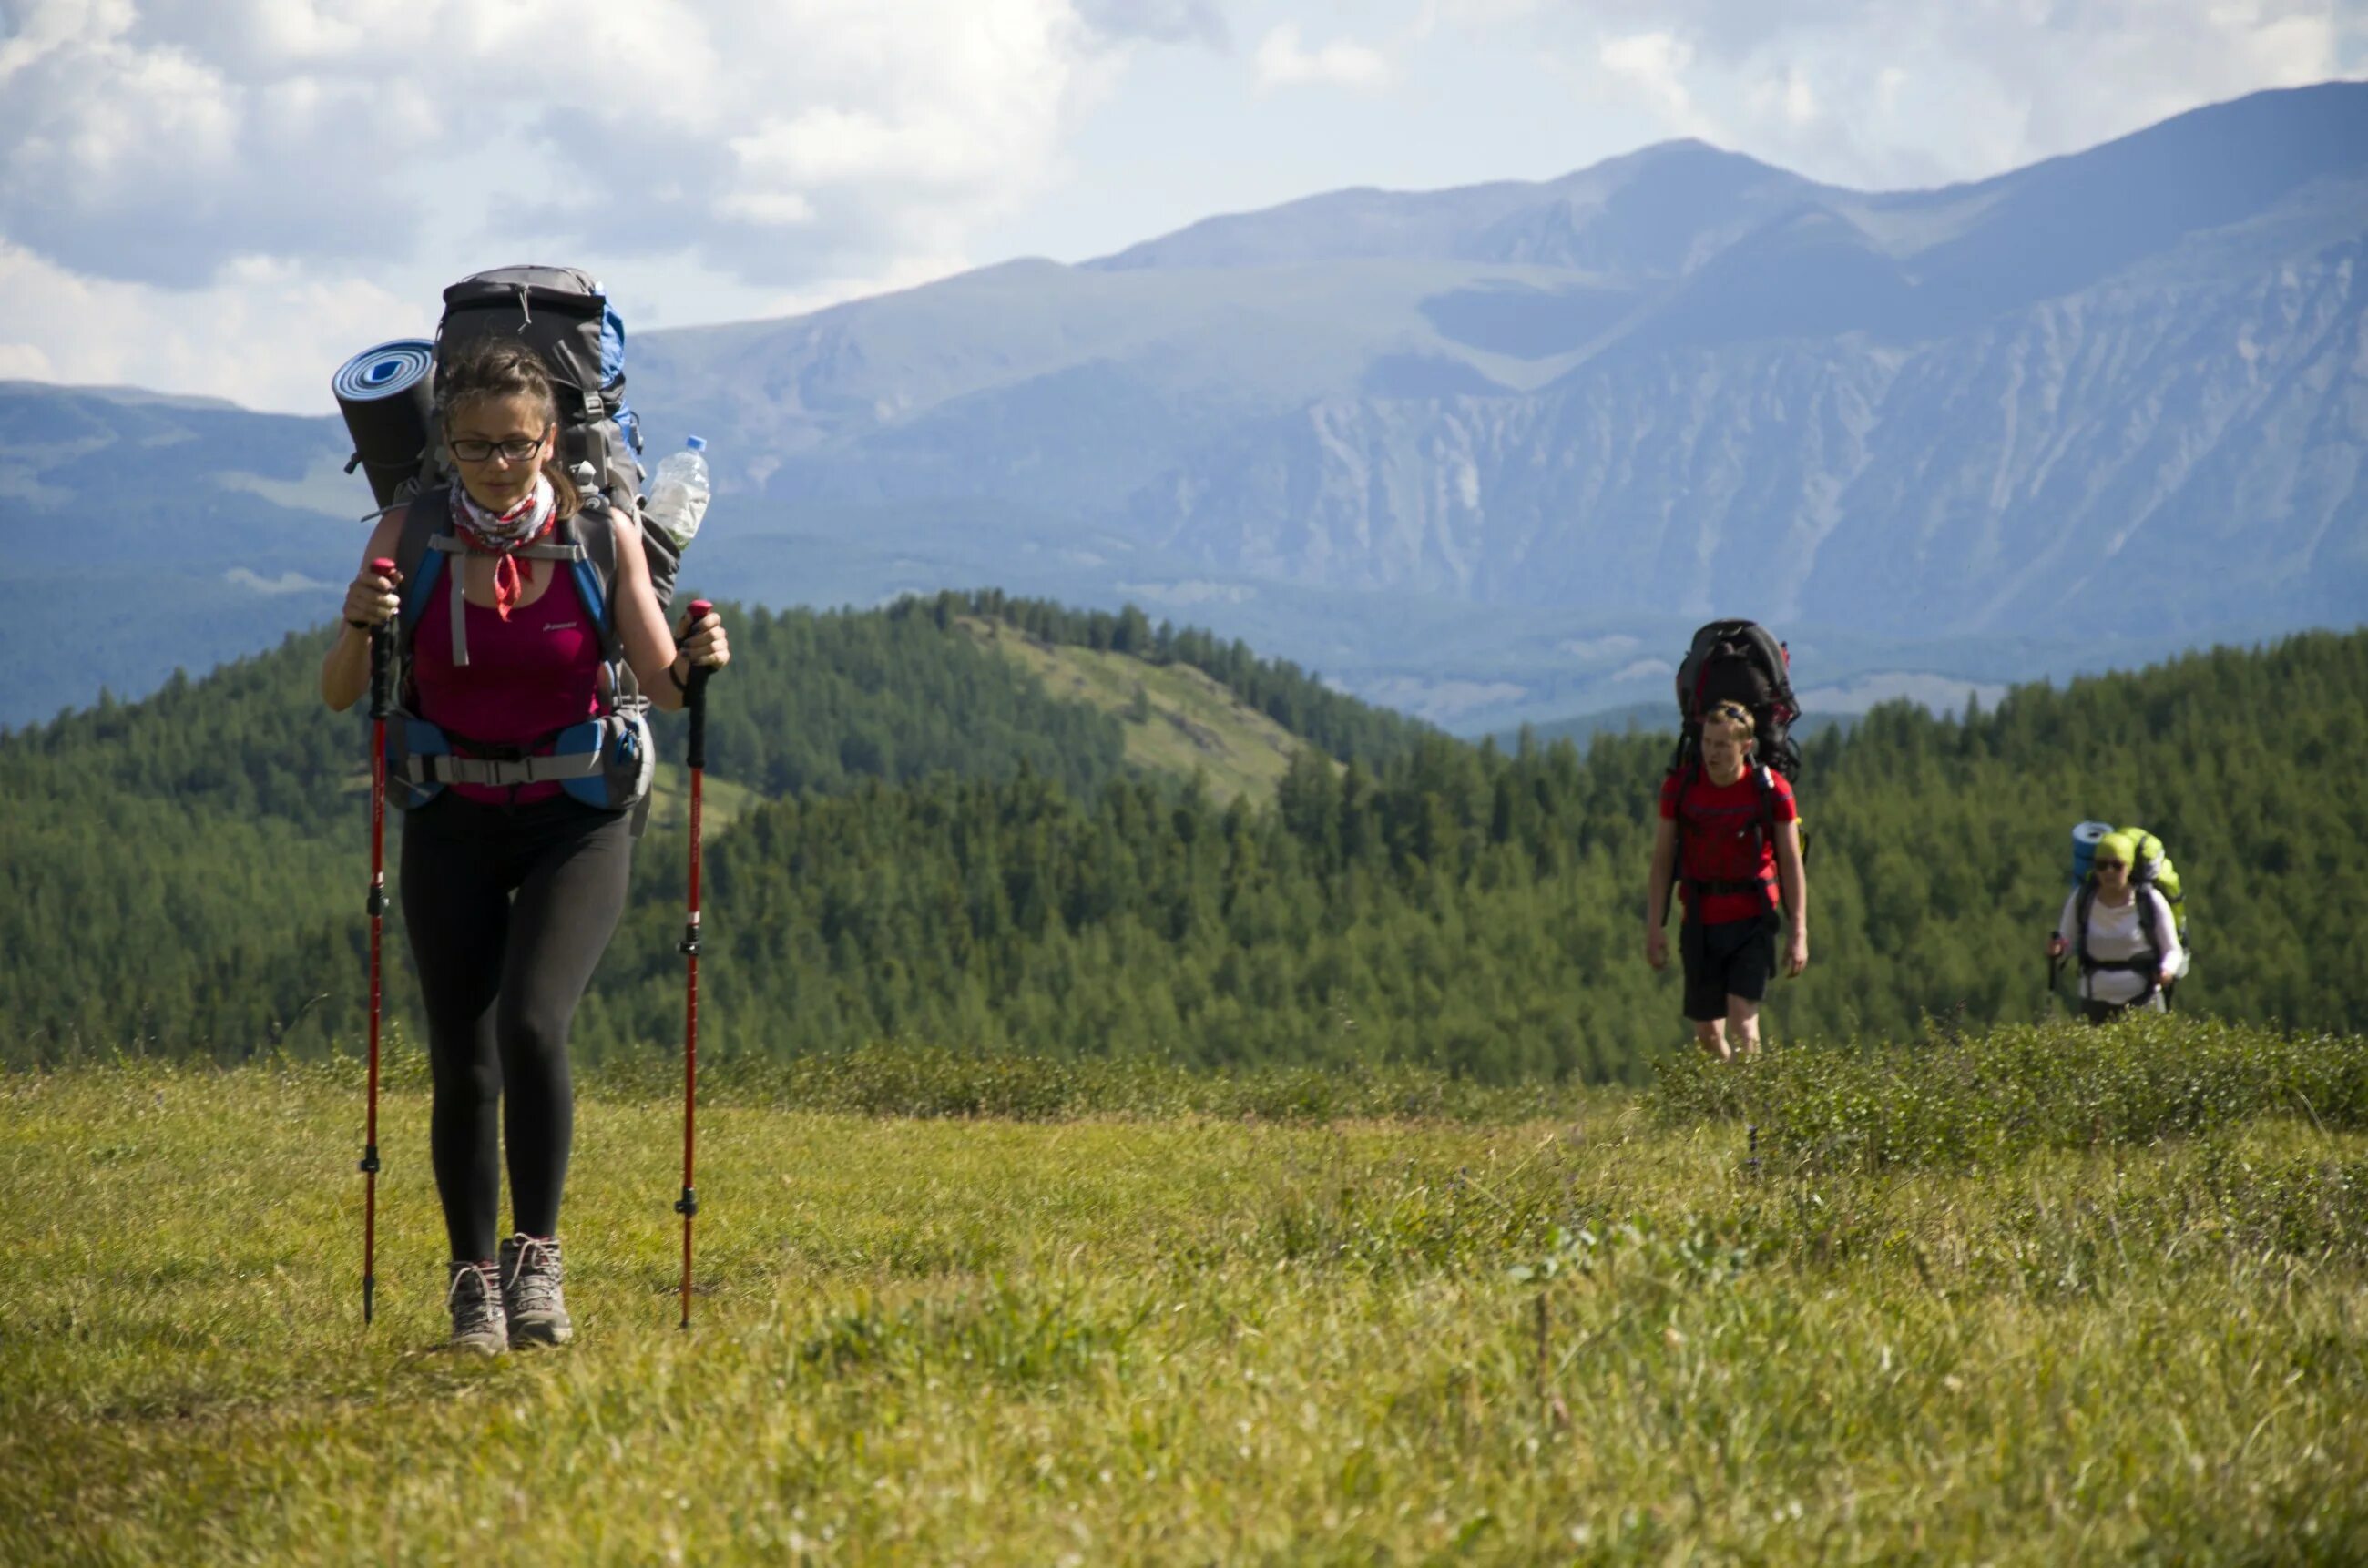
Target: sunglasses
[2111,865]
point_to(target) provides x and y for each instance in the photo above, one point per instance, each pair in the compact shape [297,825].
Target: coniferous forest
[945,853]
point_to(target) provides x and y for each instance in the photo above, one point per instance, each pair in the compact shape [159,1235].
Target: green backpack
[2150,867]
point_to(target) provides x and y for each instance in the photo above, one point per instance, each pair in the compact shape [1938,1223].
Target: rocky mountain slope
[1485,453]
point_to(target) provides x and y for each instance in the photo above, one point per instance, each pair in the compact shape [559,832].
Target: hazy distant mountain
[1488,452]
[138,533]
[1680,380]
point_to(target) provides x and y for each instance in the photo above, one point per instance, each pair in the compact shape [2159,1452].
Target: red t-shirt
[1719,839]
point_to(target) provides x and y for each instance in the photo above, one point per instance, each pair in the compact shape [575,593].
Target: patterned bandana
[497,534]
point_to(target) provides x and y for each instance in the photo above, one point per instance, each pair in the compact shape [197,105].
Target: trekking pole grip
[381,645]
[695,692]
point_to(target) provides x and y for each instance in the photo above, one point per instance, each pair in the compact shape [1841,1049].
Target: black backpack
[1739,661]
[563,314]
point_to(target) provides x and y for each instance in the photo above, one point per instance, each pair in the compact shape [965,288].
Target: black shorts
[1733,958]
[2106,1012]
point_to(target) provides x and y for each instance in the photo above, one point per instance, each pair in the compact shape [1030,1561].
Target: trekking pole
[695,694]
[381,644]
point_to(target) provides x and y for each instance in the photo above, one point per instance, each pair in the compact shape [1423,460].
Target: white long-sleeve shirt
[2116,933]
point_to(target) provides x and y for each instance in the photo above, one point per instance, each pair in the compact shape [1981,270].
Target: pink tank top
[530,676]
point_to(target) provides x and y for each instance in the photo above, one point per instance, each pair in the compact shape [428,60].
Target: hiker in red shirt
[1738,830]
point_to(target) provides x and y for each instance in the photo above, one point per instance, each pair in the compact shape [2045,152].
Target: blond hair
[1736,715]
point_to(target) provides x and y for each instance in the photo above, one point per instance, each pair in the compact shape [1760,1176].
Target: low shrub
[1961,1098]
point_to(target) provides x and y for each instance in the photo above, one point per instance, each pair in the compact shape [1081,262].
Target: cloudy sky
[228,196]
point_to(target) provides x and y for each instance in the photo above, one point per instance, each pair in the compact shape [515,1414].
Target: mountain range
[1486,454]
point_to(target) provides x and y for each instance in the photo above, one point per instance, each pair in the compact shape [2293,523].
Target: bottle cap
[697,443]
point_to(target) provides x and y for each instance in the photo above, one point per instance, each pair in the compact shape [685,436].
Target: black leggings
[501,977]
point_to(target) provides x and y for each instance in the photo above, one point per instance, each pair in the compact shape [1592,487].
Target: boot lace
[476,1305]
[532,1284]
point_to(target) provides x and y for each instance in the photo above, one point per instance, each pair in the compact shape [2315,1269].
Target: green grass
[1178,720]
[1154,1321]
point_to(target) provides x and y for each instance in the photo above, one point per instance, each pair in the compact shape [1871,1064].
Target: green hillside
[186,872]
[1179,722]
[186,881]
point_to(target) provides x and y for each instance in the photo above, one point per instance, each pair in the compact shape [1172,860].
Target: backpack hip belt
[1702,885]
[606,762]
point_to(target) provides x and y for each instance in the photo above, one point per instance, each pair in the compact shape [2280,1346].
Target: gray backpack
[565,317]
[386,396]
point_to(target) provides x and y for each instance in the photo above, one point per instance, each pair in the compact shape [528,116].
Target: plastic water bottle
[679,491]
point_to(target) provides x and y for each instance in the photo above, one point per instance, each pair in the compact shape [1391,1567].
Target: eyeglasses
[517,449]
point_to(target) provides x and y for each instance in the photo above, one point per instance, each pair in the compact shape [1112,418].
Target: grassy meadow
[2033,1296]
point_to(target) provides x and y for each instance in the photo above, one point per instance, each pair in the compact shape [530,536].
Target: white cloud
[1882,94]
[158,139]
[1281,62]
[230,195]
[24,362]
[1788,98]
[268,334]
[1654,65]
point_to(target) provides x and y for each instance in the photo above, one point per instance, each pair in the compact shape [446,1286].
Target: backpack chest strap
[451,544]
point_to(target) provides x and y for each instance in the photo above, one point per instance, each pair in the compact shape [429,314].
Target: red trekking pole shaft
[688,1204]
[382,641]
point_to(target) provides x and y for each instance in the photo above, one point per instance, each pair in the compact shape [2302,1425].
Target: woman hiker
[511,890]
[2129,955]
[1730,837]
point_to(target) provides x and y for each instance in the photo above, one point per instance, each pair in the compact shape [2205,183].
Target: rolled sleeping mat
[389,401]
[2084,847]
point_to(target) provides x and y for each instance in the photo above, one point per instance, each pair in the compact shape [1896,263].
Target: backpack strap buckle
[503,772]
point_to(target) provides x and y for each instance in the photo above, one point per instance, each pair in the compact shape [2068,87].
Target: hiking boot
[476,1297]
[531,1279]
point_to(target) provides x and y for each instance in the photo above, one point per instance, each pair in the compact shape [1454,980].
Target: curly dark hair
[503,367]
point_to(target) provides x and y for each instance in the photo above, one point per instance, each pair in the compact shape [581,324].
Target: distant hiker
[2122,933]
[525,758]
[1730,839]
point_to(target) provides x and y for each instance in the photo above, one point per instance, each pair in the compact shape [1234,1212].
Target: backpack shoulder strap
[1689,774]
[588,546]
[424,517]
[595,530]
[425,514]
[1768,828]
